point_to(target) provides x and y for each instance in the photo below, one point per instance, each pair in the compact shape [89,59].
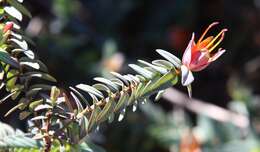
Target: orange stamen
[222,34]
[206,31]
[205,42]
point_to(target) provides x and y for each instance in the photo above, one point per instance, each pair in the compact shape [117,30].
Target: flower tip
[213,24]
[222,50]
[225,30]
[192,36]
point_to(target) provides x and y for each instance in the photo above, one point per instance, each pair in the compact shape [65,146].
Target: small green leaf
[80,95]
[7,96]
[119,76]
[38,118]
[19,7]
[159,95]
[29,53]
[132,79]
[34,104]
[13,12]
[139,89]
[93,117]
[122,102]
[145,89]
[163,63]
[157,68]
[17,89]
[21,43]
[117,82]
[90,89]
[41,75]
[102,87]
[132,96]
[110,84]
[144,72]
[14,108]
[34,89]
[170,57]
[107,110]
[35,64]
[2,11]
[6,58]
[42,106]
[12,76]
[163,82]
[78,104]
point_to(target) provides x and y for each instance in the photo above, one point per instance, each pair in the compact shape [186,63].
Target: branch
[201,107]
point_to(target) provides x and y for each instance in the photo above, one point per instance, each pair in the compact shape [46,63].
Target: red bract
[8,26]
[198,56]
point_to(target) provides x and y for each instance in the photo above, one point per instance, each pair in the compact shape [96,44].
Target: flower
[198,56]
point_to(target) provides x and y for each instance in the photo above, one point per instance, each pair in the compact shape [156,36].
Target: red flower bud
[8,26]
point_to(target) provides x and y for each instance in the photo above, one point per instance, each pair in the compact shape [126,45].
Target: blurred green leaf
[20,7]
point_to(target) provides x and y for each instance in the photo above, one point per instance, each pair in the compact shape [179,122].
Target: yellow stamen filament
[222,34]
[206,31]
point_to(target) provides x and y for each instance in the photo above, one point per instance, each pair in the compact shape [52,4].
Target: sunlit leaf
[29,53]
[164,81]
[34,104]
[42,107]
[11,77]
[80,95]
[107,82]
[119,76]
[122,102]
[157,68]
[19,7]
[90,89]
[170,57]
[159,95]
[163,63]
[14,108]
[107,110]
[38,118]
[79,105]
[41,75]
[6,58]
[102,87]
[21,43]
[13,12]
[93,117]
[142,71]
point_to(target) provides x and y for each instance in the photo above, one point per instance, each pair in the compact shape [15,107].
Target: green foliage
[16,140]
[67,118]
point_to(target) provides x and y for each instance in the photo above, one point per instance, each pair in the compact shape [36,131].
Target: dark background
[77,40]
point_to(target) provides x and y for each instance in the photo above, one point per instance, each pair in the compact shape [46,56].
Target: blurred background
[81,39]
